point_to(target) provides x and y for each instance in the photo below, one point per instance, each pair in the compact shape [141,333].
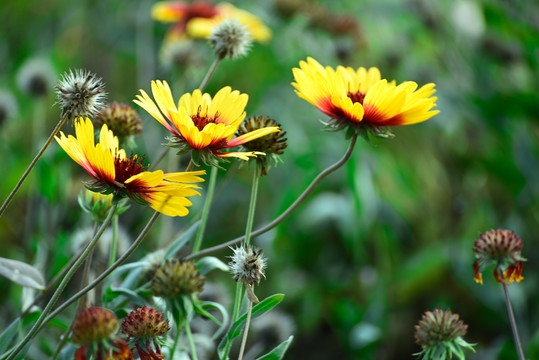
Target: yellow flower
[198,18]
[114,172]
[362,97]
[202,124]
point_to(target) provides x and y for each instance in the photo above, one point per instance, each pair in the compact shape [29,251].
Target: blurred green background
[382,240]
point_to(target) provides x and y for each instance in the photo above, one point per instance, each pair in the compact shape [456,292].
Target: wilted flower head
[145,326]
[440,335]
[80,93]
[113,349]
[122,119]
[94,324]
[230,39]
[361,100]
[272,145]
[502,248]
[248,265]
[176,278]
[36,77]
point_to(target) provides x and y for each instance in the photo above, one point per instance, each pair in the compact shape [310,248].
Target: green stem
[235,313]
[205,209]
[61,287]
[288,211]
[209,74]
[114,245]
[246,330]
[176,340]
[191,342]
[107,272]
[513,323]
[33,163]
[252,205]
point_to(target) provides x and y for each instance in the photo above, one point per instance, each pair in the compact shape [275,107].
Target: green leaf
[236,328]
[8,334]
[278,352]
[181,241]
[22,273]
[209,263]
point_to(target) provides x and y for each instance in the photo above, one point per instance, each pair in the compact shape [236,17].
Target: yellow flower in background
[115,173]
[198,18]
[202,124]
[362,98]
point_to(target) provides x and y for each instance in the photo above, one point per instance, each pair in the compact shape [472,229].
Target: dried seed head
[93,325]
[175,278]
[440,332]
[230,39]
[36,77]
[248,265]
[145,322]
[502,248]
[122,119]
[272,145]
[80,93]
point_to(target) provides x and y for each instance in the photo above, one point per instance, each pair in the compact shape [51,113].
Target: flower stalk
[206,209]
[512,321]
[42,318]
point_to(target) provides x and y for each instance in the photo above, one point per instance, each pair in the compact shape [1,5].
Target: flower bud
[176,278]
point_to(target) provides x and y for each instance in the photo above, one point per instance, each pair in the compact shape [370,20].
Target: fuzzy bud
[93,325]
[80,93]
[36,77]
[248,265]
[122,119]
[176,278]
[230,39]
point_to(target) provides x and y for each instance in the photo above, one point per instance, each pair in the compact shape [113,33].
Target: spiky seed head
[248,265]
[36,77]
[272,145]
[93,325]
[80,94]
[122,119]
[230,39]
[145,322]
[439,333]
[176,278]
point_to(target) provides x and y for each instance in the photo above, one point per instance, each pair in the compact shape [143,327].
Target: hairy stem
[33,163]
[246,330]
[205,210]
[513,323]
[288,211]
[209,74]
[252,205]
[37,326]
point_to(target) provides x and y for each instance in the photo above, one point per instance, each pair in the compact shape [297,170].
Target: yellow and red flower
[197,19]
[123,176]
[202,124]
[361,97]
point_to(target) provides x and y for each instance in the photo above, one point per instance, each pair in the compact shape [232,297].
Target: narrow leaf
[7,335]
[278,352]
[209,263]
[22,273]
[262,307]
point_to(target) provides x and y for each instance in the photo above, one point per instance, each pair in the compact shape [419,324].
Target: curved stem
[513,323]
[114,244]
[246,330]
[290,209]
[209,74]
[252,205]
[33,163]
[205,210]
[107,272]
[37,326]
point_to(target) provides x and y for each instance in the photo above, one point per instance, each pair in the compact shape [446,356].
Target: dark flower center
[201,121]
[125,168]
[356,97]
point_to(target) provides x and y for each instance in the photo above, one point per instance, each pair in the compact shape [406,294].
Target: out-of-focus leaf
[8,334]
[22,273]
[209,263]
[181,241]
[278,352]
